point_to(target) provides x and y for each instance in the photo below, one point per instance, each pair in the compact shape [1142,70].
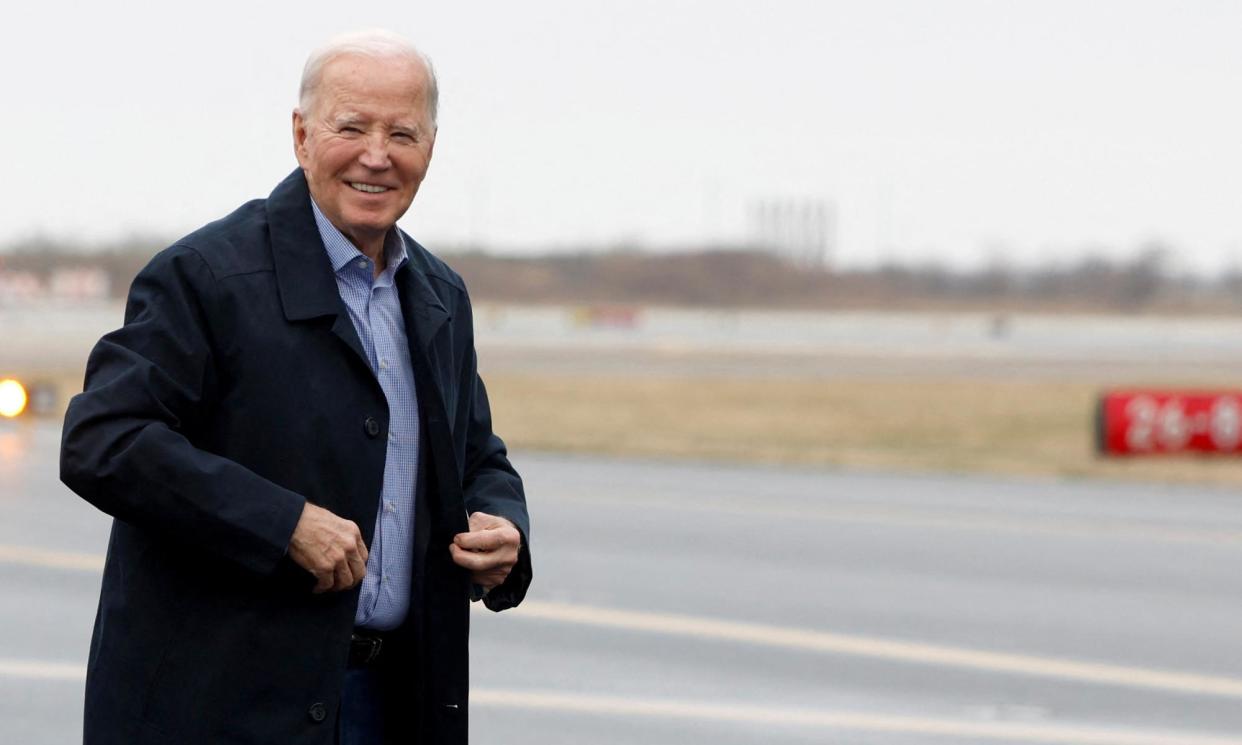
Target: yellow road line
[51,559]
[42,670]
[823,642]
[836,720]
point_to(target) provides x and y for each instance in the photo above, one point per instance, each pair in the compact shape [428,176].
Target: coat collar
[304,273]
[425,313]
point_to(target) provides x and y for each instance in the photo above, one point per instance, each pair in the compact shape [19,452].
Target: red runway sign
[1153,422]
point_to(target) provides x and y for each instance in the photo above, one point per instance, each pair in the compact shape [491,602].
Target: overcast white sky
[959,130]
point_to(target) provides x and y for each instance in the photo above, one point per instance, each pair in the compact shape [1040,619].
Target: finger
[483,540]
[358,568]
[343,577]
[363,553]
[470,559]
[484,521]
[489,562]
[494,561]
[323,582]
[461,557]
[478,520]
[492,538]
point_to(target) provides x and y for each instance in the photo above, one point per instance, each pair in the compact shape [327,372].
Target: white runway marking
[736,713]
[807,640]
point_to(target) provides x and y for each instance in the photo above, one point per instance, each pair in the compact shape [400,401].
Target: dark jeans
[362,716]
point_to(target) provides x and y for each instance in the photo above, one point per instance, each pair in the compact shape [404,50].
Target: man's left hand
[489,550]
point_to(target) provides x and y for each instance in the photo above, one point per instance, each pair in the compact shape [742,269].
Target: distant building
[79,284]
[17,288]
[67,285]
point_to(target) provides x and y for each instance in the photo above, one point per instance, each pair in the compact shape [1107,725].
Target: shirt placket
[385,372]
[375,561]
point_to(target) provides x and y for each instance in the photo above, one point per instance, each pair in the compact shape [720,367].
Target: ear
[299,137]
[431,146]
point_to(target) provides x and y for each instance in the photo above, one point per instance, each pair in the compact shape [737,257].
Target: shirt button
[389,506]
[383,364]
[362,263]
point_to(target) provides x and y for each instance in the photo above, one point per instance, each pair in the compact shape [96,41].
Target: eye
[404,137]
[350,130]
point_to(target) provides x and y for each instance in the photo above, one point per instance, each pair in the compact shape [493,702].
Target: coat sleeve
[490,483]
[127,445]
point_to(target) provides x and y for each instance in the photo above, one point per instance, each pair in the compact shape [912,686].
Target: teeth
[368,188]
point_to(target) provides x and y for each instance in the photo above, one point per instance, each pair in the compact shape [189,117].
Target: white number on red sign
[1226,426]
[1141,412]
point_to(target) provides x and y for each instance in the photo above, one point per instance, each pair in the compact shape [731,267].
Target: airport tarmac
[55,339]
[694,603]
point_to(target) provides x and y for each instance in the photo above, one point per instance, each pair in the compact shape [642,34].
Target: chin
[371,221]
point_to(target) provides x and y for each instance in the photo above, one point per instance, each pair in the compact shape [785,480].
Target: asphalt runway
[53,341]
[697,603]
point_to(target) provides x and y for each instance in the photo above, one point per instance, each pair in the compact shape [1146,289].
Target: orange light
[12,398]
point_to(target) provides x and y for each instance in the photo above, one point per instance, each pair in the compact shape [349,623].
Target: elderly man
[293,439]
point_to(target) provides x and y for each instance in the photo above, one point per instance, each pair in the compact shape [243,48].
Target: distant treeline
[732,278]
[756,279]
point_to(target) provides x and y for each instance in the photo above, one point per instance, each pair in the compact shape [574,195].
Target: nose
[375,153]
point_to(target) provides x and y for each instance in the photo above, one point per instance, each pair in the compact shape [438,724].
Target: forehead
[393,86]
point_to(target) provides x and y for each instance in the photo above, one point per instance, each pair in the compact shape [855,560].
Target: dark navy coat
[237,390]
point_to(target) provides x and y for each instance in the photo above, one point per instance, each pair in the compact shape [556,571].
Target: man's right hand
[329,547]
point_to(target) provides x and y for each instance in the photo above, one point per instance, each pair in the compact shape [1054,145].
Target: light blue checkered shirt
[375,310]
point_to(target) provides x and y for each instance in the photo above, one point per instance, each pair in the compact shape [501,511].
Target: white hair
[376,44]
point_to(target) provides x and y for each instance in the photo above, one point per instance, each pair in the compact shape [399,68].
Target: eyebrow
[347,118]
[342,120]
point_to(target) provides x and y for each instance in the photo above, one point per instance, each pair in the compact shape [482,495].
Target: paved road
[706,604]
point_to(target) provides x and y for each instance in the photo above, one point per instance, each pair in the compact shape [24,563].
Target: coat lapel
[425,317]
[424,313]
[303,272]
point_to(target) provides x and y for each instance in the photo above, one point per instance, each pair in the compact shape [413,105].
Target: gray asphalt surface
[697,603]
[54,340]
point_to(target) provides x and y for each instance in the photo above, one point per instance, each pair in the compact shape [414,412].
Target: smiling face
[365,144]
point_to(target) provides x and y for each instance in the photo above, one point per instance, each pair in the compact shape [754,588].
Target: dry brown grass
[1024,427]
[1008,427]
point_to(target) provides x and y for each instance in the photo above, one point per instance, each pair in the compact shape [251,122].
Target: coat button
[317,712]
[371,427]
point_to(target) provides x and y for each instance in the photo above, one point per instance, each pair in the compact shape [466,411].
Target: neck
[376,255]
[372,248]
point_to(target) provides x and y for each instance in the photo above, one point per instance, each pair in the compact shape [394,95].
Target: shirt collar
[341,250]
